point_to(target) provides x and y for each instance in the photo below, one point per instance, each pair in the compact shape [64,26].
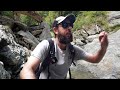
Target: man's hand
[103,40]
[97,57]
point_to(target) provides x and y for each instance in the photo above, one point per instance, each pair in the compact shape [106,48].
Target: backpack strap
[49,59]
[52,59]
[72,55]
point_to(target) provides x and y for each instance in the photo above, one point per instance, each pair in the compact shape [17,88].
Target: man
[62,27]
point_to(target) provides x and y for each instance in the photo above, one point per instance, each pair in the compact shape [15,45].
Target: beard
[65,39]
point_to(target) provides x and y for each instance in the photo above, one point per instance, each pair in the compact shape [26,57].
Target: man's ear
[55,29]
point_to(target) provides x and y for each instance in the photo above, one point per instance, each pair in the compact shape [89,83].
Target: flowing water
[82,75]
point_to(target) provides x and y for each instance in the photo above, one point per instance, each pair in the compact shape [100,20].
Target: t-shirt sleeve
[41,50]
[80,54]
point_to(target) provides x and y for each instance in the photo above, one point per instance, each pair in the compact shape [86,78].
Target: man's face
[64,33]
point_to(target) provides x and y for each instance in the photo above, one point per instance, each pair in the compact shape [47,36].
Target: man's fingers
[103,39]
[102,35]
[106,38]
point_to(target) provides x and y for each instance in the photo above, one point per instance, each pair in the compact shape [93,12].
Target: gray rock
[114,18]
[28,38]
[11,54]
[45,33]
[109,66]
[3,73]
[92,37]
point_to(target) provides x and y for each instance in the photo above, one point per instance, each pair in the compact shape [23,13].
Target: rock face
[3,73]
[45,32]
[16,42]
[86,35]
[12,54]
[15,47]
[108,68]
[114,18]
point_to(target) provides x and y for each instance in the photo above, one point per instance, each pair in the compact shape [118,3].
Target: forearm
[101,52]
[99,55]
[29,68]
[27,74]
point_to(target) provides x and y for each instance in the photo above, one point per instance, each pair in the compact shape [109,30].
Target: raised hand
[103,40]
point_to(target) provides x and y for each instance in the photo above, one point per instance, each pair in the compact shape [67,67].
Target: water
[82,75]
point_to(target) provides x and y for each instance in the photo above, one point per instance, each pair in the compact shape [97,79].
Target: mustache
[69,34]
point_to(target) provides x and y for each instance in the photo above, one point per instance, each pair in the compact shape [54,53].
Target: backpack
[52,59]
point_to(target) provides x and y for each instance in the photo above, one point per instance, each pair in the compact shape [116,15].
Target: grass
[115,28]
[52,34]
[87,18]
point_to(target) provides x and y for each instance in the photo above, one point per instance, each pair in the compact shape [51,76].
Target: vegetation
[83,18]
[50,17]
[27,20]
[87,18]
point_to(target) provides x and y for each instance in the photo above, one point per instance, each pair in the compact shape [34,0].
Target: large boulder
[86,34]
[108,67]
[45,32]
[114,18]
[12,54]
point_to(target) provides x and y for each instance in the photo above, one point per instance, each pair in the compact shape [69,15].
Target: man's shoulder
[43,43]
[77,47]
[47,42]
[48,39]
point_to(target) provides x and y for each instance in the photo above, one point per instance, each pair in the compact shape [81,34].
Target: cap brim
[70,17]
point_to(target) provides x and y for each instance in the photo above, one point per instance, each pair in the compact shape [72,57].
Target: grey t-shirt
[58,70]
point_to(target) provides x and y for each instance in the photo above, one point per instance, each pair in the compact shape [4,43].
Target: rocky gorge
[16,46]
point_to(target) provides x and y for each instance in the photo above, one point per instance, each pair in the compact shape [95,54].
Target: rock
[79,43]
[45,33]
[27,37]
[86,35]
[11,54]
[109,66]
[92,37]
[94,29]
[3,73]
[114,18]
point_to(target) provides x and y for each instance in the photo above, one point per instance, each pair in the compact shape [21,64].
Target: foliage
[86,18]
[50,17]
[115,28]
[27,20]
[7,13]
[83,18]
[43,13]
[64,13]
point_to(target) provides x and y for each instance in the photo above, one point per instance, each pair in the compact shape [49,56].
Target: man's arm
[101,52]
[28,71]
